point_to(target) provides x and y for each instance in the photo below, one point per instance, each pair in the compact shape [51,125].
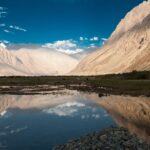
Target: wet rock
[103,137]
[109,139]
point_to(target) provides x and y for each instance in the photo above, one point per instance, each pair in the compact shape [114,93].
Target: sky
[52,21]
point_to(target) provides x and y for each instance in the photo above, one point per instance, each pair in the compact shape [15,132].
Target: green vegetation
[134,83]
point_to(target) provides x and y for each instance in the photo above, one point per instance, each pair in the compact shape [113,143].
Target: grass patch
[128,83]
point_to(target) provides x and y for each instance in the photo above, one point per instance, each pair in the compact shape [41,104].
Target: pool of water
[132,113]
[40,122]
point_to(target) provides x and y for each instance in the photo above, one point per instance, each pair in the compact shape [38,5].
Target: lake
[38,122]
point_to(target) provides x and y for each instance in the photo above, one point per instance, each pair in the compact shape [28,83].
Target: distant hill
[34,62]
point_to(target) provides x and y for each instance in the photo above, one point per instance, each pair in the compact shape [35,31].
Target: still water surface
[29,122]
[44,121]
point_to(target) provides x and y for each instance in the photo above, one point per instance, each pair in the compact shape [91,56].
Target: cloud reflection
[40,102]
[18,130]
[67,109]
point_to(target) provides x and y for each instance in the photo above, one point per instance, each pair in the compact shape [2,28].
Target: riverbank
[134,84]
[31,90]
[108,139]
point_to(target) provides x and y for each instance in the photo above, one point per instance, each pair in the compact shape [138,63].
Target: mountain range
[126,50]
[34,62]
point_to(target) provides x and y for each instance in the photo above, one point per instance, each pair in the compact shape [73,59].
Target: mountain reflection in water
[132,113]
[70,115]
[25,102]
[38,122]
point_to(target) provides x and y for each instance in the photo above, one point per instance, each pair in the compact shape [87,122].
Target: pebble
[108,139]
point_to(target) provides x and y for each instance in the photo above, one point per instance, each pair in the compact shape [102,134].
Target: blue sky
[45,21]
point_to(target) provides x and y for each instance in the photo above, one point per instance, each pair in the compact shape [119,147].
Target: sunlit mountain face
[126,50]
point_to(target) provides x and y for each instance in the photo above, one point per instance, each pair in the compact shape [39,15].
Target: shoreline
[52,89]
[133,84]
[113,138]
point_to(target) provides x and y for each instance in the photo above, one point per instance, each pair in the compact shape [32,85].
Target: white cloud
[5,41]
[3,45]
[2,25]
[81,38]
[68,51]
[104,40]
[7,31]
[92,45]
[71,47]
[64,46]
[94,38]
[17,28]
[2,8]
[89,39]
[2,12]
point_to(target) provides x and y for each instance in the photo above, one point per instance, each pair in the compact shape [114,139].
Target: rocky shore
[108,139]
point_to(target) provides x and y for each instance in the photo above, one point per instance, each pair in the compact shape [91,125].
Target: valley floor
[135,84]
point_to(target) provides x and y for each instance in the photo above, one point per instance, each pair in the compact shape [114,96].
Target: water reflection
[35,101]
[60,117]
[44,121]
[130,112]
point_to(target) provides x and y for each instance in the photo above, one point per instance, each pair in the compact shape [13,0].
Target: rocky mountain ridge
[127,49]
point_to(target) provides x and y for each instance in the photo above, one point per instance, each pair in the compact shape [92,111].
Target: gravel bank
[108,139]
